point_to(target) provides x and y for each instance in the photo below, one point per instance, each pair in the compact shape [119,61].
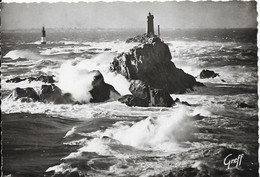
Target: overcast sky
[129,15]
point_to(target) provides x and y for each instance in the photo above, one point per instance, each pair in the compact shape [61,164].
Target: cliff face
[151,63]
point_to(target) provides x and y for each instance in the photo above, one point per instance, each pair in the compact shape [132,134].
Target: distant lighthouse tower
[43,38]
[150,27]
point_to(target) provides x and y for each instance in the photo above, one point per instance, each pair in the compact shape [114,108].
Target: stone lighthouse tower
[43,38]
[150,27]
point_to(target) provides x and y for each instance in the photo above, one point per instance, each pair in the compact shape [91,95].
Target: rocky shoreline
[51,93]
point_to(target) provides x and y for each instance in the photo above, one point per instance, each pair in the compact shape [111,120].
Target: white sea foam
[76,81]
[23,84]
[194,56]
[16,54]
[62,168]
[70,132]
[73,70]
[160,133]
[81,47]
[35,42]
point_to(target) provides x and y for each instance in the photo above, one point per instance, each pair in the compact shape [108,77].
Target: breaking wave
[16,54]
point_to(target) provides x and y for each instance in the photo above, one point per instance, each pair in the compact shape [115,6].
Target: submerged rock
[208,74]
[102,91]
[244,105]
[15,80]
[151,63]
[42,78]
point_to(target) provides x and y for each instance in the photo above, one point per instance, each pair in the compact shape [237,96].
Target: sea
[112,139]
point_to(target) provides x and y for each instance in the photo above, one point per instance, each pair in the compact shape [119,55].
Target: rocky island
[150,63]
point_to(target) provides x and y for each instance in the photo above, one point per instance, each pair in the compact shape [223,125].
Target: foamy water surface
[112,139]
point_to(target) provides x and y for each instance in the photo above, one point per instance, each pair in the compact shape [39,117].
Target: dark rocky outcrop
[49,93]
[15,80]
[101,91]
[151,63]
[208,74]
[26,94]
[144,95]
[160,98]
[140,89]
[42,78]
[52,93]
[244,105]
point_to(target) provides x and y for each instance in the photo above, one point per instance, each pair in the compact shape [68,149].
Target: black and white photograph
[120,88]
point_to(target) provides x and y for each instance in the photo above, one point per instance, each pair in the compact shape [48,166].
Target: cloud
[233,14]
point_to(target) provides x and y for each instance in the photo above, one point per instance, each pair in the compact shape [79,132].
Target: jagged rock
[101,91]
[65,98]
[139,38]
[160,98]
[131,100]
[140,89]
[144,95]
[42,78]
[151,63]
[49,93]
[52,93]
[208,74]
[244,105]
[27,94]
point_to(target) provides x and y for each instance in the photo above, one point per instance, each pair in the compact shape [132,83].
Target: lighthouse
[150,27]
[43,38]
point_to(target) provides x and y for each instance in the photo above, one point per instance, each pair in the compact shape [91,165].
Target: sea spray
[162,133]
[76,81]
[101,63]
[158,133]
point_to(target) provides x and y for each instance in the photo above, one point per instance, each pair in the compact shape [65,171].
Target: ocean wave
[84,47]
[160,133]
[125,141]
[16,54]
[101,63]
